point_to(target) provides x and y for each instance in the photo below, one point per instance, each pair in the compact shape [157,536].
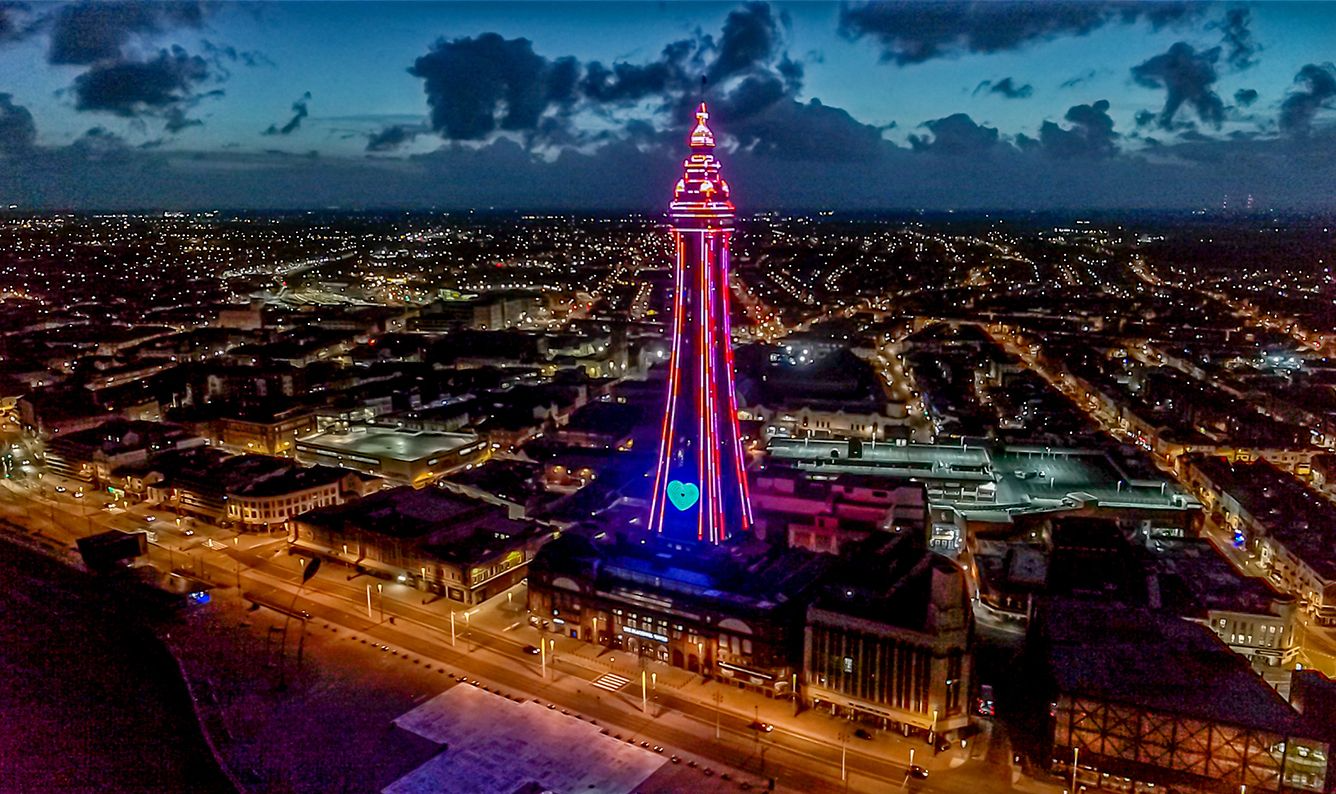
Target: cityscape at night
[651,397]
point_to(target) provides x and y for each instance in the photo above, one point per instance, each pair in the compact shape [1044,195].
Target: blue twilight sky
[844,105]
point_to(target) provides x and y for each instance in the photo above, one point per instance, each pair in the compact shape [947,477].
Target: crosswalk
[611,682]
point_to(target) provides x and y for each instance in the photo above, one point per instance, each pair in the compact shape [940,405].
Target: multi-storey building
[92,455]
[888,640]
[1287,526]
[430,538]
[733,613]
[824,515]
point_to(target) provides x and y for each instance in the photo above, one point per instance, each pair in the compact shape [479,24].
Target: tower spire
[702,137]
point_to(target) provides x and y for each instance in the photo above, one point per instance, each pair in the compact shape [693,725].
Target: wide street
[804,752]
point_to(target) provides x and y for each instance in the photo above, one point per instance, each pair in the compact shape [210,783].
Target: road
[804,751]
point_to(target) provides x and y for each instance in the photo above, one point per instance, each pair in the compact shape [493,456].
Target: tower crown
[701,195]
[702,137]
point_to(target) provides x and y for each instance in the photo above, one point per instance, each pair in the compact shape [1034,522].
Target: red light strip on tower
[732,392]
[702,316]
[674,380]
[711,241]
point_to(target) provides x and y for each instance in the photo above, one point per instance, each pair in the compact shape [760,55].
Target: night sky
[986,105]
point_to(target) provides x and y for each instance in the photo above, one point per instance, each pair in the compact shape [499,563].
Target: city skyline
[961,106]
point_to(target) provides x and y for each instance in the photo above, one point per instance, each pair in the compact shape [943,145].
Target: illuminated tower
[700,483]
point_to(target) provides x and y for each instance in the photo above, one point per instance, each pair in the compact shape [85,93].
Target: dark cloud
[175,120]
[12,20]
[956,134]
[107,37]
[100,172]
[1317,89]
[164,86]
[1090,135]
[626,82]
[1240,47]
[300,110]
[751,96]
[480,86]
[1144,118]
[223,54]
[87,32]
[1006,87]
[476,86]
[18,133]
[1186,77]
[913,32]
[790,130]
[394,136]
[792,72]
[1244,97]
[751,37]
[1083,77]
[100,145]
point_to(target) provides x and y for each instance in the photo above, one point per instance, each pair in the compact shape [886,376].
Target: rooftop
[386,443]
[1301,519]
[1156,661]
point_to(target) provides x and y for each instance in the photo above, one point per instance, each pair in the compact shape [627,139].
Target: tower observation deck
[700,481]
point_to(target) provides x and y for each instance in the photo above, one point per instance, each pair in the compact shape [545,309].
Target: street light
[844,755]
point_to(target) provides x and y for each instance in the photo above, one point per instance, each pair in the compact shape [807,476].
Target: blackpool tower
[700,481]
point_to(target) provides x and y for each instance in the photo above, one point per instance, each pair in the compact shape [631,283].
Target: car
[863,733]
[918,772]
[60,489]
[532,650]
[984,705]
[150,519]
[78,494]
[763,727]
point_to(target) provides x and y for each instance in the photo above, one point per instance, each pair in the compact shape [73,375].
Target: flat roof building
[413,457]
[430,538]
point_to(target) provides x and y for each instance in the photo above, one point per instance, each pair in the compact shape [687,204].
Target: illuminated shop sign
[649,635]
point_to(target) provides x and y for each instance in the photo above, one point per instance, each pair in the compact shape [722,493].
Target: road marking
[611,682]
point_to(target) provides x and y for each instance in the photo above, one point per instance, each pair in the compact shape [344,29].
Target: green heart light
[683,494]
